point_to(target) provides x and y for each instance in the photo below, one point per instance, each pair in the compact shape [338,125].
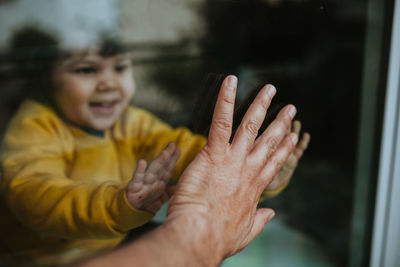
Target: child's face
[93,91]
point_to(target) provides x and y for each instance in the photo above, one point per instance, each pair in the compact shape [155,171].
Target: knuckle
[206,151]
[223,123]
[282,128]
[256,165]
[265,104]
[209,155]
[272,143]
[276,163]
[149,178]
[228,99]
[251,127]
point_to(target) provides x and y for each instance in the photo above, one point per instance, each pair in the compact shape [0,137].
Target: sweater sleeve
[39,193]
[272,193]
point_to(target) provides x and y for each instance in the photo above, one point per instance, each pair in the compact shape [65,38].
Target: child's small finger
[134,187]
[171,146]
[158,164]
[171,165]
[175,156]
[140,171]
[167,152]
[162,159]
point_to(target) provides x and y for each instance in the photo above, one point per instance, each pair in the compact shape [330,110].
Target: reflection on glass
[72,148]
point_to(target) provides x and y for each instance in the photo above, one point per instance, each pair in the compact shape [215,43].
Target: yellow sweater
[63,190]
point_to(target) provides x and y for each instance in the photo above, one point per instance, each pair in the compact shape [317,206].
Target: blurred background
[327,57]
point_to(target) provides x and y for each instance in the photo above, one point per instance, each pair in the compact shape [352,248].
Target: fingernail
[232,81]
[294,139]
[271,91]
[292,111]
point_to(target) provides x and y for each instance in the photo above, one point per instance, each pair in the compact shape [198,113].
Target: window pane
[317,53]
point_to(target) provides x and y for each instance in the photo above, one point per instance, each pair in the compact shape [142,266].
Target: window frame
[386,237]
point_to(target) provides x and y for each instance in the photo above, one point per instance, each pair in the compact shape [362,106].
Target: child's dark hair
[35,53]
[110,46]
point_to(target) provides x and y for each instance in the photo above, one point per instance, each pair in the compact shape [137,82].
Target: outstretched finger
[140,171]
[254,117]
[221,125]
[277,159]
[162,160]
[171,165]
[270,140]
[136,183]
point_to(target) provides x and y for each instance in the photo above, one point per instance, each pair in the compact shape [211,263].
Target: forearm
[63,208]
[178,242]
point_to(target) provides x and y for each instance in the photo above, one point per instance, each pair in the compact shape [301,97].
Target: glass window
[328,58]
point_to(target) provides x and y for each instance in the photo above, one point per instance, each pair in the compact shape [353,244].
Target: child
[74,160]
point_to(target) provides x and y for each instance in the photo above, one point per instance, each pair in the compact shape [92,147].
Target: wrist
[197,237]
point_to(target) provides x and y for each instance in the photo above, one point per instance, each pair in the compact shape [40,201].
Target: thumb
[262,217]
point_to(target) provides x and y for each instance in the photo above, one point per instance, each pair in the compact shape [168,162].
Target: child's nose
[107,84]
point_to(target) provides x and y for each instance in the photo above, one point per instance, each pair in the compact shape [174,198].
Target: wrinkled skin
[213,213]
[221,187]
[286,172]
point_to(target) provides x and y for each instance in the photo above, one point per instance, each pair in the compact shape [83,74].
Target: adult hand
[213,213]
[220,189]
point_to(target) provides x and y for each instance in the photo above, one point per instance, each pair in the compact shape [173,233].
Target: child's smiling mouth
[103,107]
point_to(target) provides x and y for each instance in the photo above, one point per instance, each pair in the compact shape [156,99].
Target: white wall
[66,18]
[160,20]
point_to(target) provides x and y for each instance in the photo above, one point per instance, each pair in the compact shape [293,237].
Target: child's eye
[121,68]
[85,70]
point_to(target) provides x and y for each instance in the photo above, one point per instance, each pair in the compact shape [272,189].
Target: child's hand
[147,189]
[288,168]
